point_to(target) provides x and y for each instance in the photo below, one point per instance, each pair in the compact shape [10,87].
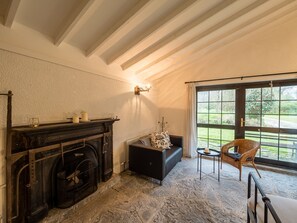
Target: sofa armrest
[147,160]
[176,140]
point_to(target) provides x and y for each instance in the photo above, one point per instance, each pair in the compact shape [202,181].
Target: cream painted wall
[269,50]
[53,92]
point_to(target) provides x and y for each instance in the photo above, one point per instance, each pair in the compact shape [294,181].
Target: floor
[183,197]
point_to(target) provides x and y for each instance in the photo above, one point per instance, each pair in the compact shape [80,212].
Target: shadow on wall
[138,116]
[172,98]
[176,119]
[172,91]
[136,110]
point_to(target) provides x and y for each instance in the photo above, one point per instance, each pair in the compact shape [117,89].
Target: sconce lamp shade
[138,89]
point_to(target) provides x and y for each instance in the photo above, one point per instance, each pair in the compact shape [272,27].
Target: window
[215,117]
[258,111]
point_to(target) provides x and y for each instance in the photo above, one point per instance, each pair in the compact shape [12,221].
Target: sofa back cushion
[145,141]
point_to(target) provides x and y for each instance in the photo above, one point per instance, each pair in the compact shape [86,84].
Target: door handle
[241,122]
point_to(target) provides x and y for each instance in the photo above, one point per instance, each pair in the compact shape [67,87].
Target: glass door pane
[288,147]
[215,118]
[271,119]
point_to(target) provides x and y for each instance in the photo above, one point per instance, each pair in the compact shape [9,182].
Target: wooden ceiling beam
[270,16]
[154,32]
[187,44]
[177,34]
[82,11]
[11,12]
[139,13]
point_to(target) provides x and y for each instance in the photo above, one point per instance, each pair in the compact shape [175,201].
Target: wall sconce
[138,89]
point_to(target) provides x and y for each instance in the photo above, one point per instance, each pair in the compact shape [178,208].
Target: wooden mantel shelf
[25,137]
[48,126]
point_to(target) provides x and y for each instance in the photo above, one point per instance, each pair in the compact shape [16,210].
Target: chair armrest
[249,154]
[176,140]
[225,148]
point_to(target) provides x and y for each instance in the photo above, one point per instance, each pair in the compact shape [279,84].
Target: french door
[215,117]
[265,112]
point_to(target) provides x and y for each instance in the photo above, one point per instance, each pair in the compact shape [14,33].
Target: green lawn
[215,138]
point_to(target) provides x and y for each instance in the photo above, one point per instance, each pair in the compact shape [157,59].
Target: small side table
[212,153]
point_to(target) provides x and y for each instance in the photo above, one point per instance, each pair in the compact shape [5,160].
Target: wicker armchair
[244,152]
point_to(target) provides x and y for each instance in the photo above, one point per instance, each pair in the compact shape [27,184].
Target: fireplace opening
[75,176]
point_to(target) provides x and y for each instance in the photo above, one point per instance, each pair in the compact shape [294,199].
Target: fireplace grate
[76,177]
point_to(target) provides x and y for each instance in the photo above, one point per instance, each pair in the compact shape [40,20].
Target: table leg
[200,165]
[214,162]
[219,168]
[197,162]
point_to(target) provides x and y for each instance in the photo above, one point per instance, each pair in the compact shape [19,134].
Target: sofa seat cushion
[236,156]
[286,208]
[172,151]
[173,156]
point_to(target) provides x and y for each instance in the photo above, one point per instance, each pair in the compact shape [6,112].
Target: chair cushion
[235,156]
[286,208]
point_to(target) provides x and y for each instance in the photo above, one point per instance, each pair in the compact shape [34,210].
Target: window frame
[240,112]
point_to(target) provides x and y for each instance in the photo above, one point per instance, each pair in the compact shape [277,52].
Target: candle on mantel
[75,118]
[84,116]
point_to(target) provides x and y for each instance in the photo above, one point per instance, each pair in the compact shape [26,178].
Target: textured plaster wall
[54,92]
[270,50]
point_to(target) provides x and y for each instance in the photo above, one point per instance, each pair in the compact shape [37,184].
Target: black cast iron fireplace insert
[75,176]
[56,165]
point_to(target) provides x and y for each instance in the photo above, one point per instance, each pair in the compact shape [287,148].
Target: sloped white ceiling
[145,38]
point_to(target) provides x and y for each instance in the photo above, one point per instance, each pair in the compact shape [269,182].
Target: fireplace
[56,165]
[75,176]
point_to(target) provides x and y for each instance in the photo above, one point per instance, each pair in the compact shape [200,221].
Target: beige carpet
[183,197]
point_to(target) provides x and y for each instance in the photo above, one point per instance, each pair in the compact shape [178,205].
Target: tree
[254,101]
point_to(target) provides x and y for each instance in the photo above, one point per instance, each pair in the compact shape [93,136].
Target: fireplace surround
[56,165]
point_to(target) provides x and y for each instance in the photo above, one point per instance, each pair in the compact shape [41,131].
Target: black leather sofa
[156,163]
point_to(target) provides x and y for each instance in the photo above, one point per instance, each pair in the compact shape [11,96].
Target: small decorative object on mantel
[84,116]
[75,118]
[110,116]
[34,122]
